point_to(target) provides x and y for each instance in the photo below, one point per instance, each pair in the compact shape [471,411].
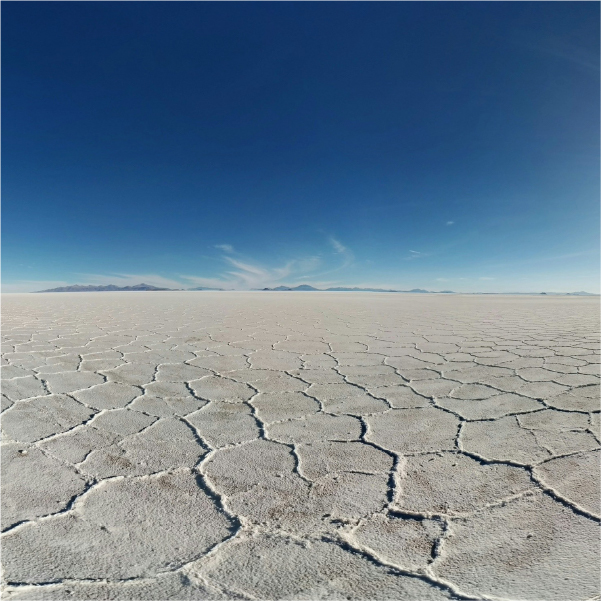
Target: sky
[439,145]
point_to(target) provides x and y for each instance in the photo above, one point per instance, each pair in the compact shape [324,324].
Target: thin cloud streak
[340,249]
[416,254]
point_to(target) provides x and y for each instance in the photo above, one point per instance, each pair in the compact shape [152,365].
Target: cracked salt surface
[300,446]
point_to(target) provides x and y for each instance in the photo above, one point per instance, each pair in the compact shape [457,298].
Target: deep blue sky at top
[446,145]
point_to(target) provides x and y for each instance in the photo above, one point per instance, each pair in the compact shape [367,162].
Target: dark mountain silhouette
[108,288]
[301,288]
[305,287]
[342,289]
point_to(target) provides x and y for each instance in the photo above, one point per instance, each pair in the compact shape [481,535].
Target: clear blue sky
[443,145]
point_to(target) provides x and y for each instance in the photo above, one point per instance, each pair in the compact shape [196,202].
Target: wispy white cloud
[341,249]
[416,254]
[228,248]
[450,222]
[486,278]
[254,276]
[245,273]
[338,246]
[246,267]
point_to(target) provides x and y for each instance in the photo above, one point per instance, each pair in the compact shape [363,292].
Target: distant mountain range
[581,293]
[301,288]
[149,288]
[307,288]
[109,288]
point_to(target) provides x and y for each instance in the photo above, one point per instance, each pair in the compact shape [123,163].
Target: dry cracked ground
[300,446]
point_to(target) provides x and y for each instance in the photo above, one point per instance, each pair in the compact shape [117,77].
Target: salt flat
[186,445]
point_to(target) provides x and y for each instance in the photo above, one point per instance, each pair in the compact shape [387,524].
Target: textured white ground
[300,446]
